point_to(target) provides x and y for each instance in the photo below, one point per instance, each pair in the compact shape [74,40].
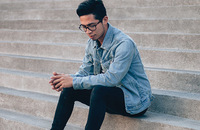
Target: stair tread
[193,96]
[126,3]
[31,120]
[52,98]
[77,31]
[149,117]
[150,12]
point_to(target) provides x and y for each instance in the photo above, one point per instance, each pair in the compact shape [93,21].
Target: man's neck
[101,40]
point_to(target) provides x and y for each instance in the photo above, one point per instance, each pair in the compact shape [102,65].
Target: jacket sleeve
[87,66]
[124,54]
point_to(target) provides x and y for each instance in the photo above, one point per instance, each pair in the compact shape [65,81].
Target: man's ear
[105,20]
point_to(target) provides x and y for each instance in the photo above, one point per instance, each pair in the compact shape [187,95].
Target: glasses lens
[82,28]
[92,27]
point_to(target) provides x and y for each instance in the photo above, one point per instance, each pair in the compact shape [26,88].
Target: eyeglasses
[91,27]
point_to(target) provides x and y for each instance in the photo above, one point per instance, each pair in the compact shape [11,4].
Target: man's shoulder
[121,37]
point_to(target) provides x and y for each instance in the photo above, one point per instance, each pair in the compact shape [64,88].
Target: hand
[51,81]
[60,81]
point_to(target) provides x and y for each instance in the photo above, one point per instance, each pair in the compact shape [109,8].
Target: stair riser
[27,83]
[163,26]
[39,65]
[127,124]
[15,125]
[175,81]
[171,60]
[186,108]
[159,79]
[109,124]
[47,109]
[73,52]
[181,13]
[30,106]
[165,80]
[150,58]
[129,13]
[145,40]
[109,4]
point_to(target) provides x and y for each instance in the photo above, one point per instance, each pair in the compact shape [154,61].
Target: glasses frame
[88,27]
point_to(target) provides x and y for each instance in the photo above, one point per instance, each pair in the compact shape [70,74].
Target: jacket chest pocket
[106,64]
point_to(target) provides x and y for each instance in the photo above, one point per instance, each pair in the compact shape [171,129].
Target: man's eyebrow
[88,24]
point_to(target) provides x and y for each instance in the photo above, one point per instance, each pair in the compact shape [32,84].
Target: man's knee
[99,89]
[98,92]
[67,93]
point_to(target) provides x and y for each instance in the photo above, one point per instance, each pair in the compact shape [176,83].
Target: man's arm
[87,66]
[60,81]
[117,70]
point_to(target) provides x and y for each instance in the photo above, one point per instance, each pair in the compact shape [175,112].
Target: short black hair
[95,7]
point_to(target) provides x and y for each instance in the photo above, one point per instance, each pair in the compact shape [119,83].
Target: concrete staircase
[38,37]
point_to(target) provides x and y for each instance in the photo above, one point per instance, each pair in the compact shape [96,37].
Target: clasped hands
[60,81]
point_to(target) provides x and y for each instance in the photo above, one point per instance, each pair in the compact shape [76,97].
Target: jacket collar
[107,42]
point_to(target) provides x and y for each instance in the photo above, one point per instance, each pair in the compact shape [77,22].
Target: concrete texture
[179,60]
[160,79]
[19,121]
[46,4]
[38,37]
[79,115]
[133,25]
[185,12]
[142,39]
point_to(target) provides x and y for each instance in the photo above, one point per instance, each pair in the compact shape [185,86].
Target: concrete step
[180,12]
[159,122]
[52,4]
[50,50]
[19,121]
[41,105]
[134,25]
[145,39]
[27,81]
[174,80]
[182,104]
[39,64]
[151,57]
[159,79]
[171,59]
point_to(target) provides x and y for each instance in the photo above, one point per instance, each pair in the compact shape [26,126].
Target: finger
[55,77]
[55,73]
[53,88]
[57,85]
[59,89]
[51,81]
[57,81]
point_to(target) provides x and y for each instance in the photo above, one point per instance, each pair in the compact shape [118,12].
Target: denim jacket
[116,63]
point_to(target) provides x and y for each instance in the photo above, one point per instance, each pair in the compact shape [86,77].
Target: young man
[112,77]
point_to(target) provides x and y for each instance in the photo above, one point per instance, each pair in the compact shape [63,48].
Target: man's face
[99,32]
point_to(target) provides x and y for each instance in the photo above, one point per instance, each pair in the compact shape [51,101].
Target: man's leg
[101,98]
[65,106]
[105,99]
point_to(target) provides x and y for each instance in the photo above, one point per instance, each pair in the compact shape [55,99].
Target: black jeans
[100,99]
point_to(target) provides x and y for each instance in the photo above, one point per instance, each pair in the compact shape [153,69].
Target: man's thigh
[115,101]
[83,96]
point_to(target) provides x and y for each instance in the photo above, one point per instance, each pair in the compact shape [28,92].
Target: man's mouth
[91,36]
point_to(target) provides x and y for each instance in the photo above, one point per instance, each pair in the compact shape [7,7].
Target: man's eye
[91,26]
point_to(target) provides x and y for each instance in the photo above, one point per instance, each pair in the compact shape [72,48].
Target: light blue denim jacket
[121,66]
